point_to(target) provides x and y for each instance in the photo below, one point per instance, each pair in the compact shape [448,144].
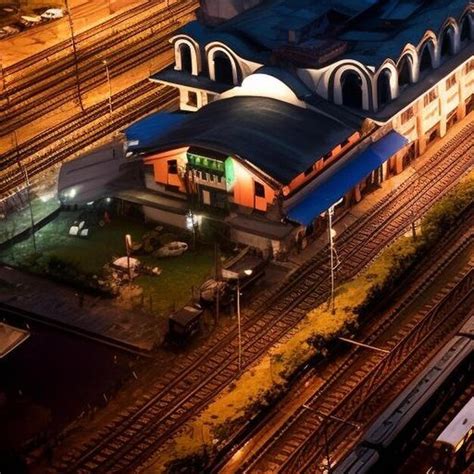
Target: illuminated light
[264,85]
[248,272]
[90,203]
[72,193]
[108,199]
[46,197]
[191,221]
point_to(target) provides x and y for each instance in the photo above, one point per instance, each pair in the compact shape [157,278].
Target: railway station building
[291,107]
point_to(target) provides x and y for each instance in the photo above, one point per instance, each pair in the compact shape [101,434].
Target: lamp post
[128,246]
[107,73]
[332,251]
[191,224]
[237,276]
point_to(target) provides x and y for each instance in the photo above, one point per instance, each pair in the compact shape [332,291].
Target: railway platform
[386,187]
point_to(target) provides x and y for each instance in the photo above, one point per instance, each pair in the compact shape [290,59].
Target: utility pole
[18,161]
[74,49]
[326,417]
[331,256]
[107,73]
[4,88]
[239,327]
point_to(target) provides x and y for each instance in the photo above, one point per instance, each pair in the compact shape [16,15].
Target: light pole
[74,49]
[27,181]
[4,87]
[237,276]
[191,224]
[332,251]
[128,246]
[104,62]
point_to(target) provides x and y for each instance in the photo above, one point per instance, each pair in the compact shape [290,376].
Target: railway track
[138,432]
[380,380]
[82,131]
[357,366]
[35,93]
[370,329]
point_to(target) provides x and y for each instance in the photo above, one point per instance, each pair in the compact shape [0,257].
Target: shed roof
[278,138]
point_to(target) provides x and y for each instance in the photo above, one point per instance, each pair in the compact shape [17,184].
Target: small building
[184,323]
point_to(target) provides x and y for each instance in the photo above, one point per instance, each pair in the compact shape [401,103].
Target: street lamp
[237,276]
[191,225]
[332,252]
[107,73]
[128,246]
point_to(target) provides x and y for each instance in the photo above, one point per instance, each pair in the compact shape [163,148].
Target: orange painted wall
[160,167]
[244,189]
[320,164]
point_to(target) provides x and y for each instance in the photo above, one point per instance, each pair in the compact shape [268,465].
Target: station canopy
[333,185]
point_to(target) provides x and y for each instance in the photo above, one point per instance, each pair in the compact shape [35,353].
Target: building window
[172,167]
[430,97]
[308,171]
[450,81]
[407,115]
[469,67]
[192,99]
[259,190]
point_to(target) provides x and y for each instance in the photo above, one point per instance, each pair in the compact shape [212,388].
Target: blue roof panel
[338,183]
[147,132]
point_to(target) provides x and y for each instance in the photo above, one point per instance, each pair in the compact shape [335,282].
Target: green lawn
[171,289]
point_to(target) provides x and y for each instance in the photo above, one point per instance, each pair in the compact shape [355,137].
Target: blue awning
[336,184]
[146,133]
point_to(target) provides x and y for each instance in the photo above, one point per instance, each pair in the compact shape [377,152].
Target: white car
[52,14]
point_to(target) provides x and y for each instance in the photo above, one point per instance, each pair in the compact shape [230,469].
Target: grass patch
[173,288]
[81,258]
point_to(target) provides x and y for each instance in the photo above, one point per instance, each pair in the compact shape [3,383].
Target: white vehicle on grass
[52,14]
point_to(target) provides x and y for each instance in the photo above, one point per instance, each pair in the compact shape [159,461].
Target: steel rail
[137,434]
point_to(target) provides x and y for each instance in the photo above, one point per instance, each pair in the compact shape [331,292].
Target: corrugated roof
[278,138]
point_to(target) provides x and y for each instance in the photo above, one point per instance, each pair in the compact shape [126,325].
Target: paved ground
[55,302]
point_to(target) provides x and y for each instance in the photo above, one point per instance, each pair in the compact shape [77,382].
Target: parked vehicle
[8,30]
[52,14]
[30,20]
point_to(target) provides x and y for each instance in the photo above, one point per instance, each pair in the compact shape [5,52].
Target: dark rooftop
[374,29]
[280,139]
[183,78]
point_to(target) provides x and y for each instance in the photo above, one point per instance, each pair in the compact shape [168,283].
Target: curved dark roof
[280,139]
